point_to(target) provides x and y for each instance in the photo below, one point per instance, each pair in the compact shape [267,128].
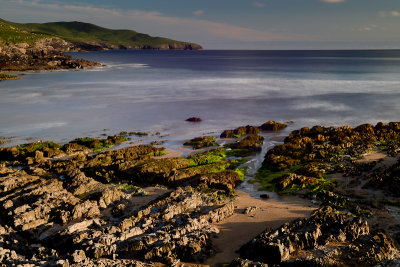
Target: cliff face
[44,54]
[35,46]
[97,46]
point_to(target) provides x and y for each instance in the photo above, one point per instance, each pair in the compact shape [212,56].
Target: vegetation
[32,147]
[15,33]
[100,144]
[81,32]
[201,142]
[208,157]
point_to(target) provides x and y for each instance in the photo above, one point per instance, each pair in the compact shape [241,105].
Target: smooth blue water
[156,91]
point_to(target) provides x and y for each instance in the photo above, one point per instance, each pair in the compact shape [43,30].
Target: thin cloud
[154,23]
[392,13]
[258,4]
[198,13]
[333,1]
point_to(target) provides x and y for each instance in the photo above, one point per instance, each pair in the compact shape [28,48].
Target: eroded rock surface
[60,206]
[328,238]
[44,54]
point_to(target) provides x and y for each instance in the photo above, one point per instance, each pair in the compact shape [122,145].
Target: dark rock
[246,263]
[293,179]
[249,210]
[325,226]
[194,119]
[44,54]
[273,126]
[239,132]
[264,196]
[225,180]
[251,143]
[201,142]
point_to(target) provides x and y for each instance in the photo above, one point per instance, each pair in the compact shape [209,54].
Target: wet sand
[241,228]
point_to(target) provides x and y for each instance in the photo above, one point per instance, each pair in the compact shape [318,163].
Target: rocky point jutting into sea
[93,202]
[27,47]
[44,54]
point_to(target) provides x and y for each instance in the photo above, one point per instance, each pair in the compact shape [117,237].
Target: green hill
[14,33]
[79,32]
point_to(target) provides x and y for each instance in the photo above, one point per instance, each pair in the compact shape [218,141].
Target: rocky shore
[48,54]
[44,54]
[86,204]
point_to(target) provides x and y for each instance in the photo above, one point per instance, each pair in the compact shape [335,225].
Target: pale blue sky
[232,24]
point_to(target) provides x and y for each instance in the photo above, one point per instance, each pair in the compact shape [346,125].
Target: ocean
[155,91]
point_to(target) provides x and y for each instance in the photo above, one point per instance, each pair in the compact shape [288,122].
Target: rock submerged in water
[253,130]
[194,119]
[273,126]
[240,131]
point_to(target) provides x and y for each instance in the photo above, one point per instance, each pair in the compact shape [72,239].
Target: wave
[128,65]
[321,105]
[33,127]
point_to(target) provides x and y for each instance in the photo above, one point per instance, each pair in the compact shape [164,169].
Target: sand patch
[374,156]
[240,228]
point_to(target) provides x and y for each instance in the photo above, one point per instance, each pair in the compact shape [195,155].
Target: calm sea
[155,91]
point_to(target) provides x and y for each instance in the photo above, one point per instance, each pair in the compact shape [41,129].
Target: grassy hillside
[14,33]
[80,32]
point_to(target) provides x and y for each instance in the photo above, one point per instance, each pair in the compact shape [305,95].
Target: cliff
[36,46]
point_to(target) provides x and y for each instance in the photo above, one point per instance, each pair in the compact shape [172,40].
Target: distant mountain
[86,36]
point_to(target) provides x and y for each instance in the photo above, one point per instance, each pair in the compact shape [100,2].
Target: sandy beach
[240,228]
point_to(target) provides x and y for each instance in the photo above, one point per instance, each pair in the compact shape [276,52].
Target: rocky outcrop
[239,132]
[4,77]
[44,54]
[71,205]
[273,126]
[308,155]
[60,227]
[201,142]
[328,238]
[75,219]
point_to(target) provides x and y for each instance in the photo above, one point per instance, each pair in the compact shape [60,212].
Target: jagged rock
[246,263]
[310,236]
[293,179]
[80,184]
[109,196]
[78,256]
[44,54]
[251,209]
[225,180]
[87,209]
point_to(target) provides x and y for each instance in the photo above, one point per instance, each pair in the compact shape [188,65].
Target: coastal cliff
[36,46]
[44,54]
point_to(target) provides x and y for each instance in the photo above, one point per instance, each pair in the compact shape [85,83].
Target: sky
[232,24]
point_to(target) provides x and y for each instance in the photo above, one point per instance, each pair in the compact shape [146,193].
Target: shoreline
[148,192]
